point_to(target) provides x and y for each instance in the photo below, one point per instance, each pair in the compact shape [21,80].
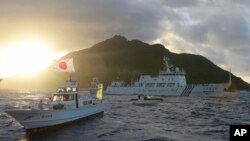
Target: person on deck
[40,105]
[49,102]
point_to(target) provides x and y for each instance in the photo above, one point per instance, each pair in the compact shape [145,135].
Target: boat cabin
[68,98]
[65,94]
[63,97]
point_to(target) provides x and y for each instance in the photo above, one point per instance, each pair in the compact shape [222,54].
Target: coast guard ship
[170,82]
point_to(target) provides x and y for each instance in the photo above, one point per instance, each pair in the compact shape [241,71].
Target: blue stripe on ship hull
[183,92]
[187,91]
[191,89]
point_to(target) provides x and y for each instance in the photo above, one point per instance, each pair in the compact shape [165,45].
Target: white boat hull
[43,118]
[189,90]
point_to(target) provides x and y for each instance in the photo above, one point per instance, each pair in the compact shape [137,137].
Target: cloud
[219,30]
[78,24]
[179,3]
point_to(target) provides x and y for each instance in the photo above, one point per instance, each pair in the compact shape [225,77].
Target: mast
[230,78]
[70,76]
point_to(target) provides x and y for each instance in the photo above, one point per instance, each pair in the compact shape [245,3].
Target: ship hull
[31,119]
[189,90]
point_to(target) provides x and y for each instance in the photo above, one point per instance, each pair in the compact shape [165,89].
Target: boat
[171,81]
[67,104]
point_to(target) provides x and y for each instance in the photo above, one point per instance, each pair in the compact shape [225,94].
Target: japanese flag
[65,65]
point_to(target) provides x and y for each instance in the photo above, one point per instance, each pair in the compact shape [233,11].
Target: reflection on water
[174,118]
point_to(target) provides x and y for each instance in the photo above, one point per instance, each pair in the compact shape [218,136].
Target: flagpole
[70,76]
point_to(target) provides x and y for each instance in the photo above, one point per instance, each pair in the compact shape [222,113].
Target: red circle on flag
[63,65]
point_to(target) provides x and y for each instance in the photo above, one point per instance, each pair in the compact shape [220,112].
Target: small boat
[147,98]
[66,105]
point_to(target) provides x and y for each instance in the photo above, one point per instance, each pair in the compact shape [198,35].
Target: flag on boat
[65,65]
[99,91]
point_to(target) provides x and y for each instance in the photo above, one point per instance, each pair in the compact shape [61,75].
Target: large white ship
[170,82]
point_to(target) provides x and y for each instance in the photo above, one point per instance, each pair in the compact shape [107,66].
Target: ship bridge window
[87,102]
[67,89]
[171,84]
[70,90]
[74,90]
[160,85]
[150,85]
[117,84]
[63,97]
[61,90]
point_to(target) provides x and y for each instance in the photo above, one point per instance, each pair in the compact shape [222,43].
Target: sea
[197,118]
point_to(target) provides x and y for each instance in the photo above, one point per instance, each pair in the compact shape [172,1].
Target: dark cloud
[221,30]
[218,30]
[77,21]
[180,3]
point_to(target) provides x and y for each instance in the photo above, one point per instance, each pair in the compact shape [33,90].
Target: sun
[27,56]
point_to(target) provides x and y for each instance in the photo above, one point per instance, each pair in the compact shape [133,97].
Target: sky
[216,29]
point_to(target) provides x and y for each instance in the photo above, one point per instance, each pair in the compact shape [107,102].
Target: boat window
[150,85]
[170,84]
[55,98]
[61,90]
[63,97]
[85,102]
[74,89]
[69,90]
[90,102]
[160,85]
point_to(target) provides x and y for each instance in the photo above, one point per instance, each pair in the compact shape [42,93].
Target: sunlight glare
[27,56]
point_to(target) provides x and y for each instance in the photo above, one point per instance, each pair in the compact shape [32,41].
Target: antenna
[230,77]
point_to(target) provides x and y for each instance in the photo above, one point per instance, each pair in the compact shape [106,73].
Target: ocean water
[174,118]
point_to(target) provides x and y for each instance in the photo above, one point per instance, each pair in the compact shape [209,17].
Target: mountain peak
[119,42]
[116,41]
[119,37]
